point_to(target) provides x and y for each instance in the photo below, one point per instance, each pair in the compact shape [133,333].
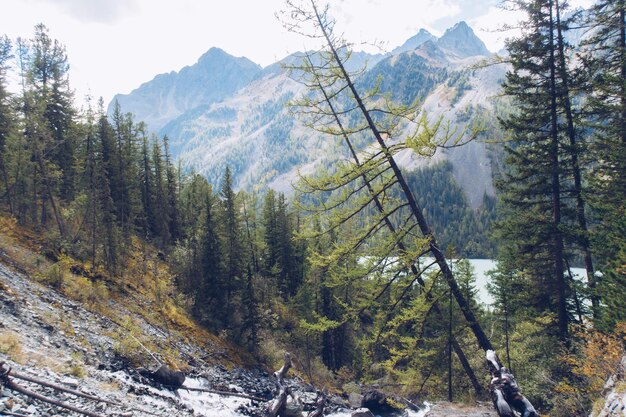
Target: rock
[293,409]
[166,377]
[362,412]
[70,382]
[355,400]
[377,402]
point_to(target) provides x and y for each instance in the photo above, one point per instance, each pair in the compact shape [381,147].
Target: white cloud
[95,10]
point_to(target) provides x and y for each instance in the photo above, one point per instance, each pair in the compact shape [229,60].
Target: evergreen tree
[148,218]
[6,118]
[48,78]
[160,198]
[534,186]
[234,253]
[172,193]
[211,294]
[250,323]
[605,62]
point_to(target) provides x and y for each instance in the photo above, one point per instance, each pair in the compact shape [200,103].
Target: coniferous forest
[362,271]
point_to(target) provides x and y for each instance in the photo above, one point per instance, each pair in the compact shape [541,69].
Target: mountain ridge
[249,128]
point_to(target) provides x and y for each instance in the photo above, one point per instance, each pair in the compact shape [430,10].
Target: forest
[342,272]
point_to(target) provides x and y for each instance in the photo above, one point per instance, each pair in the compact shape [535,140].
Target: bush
[11,345]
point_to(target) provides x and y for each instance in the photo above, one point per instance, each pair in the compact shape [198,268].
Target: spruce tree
[234,252]
[605,62]
[533,188]
[211,301]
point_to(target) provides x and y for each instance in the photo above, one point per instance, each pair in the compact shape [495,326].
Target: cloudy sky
[115,45]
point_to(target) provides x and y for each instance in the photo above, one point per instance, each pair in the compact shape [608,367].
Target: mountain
[413,42]
[245,124]
[461,41]
[216,76]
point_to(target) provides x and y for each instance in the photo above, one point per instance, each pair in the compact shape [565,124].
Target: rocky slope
[59,324]
[614,402]
[109,348]
[45,336]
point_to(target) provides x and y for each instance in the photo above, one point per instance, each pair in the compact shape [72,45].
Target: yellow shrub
[11,345]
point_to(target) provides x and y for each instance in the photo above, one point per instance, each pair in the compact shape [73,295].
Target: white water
[221,406]
[210,404]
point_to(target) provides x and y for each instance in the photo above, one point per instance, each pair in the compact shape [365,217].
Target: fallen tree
[277,406]
[326,75]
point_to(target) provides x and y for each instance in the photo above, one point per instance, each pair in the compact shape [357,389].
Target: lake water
[482,266]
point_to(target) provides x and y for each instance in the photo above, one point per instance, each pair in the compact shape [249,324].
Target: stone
[355,400]
[362,412]
[293,409]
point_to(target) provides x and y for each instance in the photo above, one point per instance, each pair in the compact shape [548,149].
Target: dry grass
[11,345]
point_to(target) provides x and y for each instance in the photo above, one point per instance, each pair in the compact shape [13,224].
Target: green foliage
[449,213]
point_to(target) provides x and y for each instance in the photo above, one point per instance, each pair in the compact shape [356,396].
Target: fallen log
[505,392]
[15,387]
[10,372]
[8,413]
[320,403]
[225,393]
[60,388]
[277,407]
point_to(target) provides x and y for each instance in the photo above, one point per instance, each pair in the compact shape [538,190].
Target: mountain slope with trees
[338,274]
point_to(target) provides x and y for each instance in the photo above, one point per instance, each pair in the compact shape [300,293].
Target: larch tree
[336,107]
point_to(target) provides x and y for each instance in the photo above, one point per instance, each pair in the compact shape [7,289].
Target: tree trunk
[574,151]
[557,237]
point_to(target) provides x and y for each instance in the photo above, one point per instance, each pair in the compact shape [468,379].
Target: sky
[114,46]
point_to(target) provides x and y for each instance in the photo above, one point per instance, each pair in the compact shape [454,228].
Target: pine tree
[250,323]
[48,77]
[160,198]
[172,193]
[146,175]
[211,302]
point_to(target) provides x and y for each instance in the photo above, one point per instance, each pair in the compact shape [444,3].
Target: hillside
[103,336]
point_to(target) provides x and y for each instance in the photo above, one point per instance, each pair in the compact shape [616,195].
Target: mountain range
[225,110]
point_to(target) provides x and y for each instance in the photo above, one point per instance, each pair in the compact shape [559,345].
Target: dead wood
[278,405]
[505,392]
[320,403]
[60,388]
[7,382]
[6,373]
[8,413]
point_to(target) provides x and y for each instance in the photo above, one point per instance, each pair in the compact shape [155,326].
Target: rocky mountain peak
[415,41]
[215,76]
[461,40]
